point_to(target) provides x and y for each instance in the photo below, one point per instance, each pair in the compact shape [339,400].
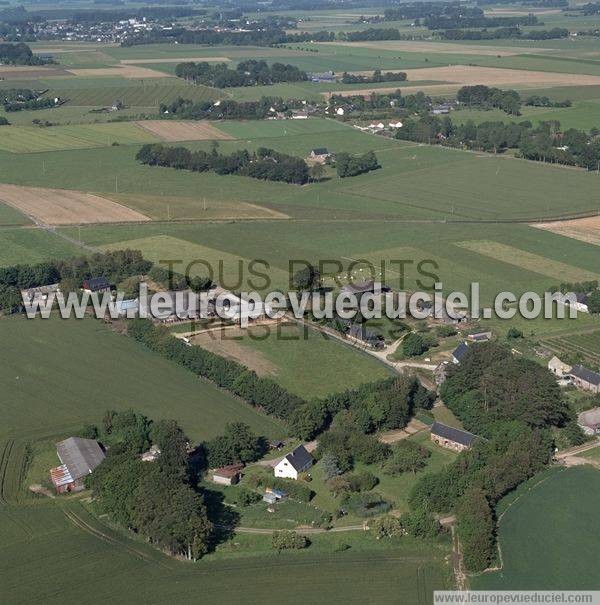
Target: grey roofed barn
[453,434]
[80,456]
[460,351]
[585,374]
[299,458]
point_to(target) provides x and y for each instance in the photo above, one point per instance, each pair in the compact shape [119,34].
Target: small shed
[227,475]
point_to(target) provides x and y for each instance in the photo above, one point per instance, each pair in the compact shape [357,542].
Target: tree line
[246,73]
[378,76]
[227,109]
[503,33]
[265,164]
[544,143]
[70,273]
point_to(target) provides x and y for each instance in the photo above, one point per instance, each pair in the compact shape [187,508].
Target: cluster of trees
[417,343]
[388,103]
[378,76]
[115,266]
[30,104]
[503,33]
[386,404]
[265,164]
[238,444]
[156,500]
[491,385]
[246,73]
[371,33]
[486,97]
[261,392]
[579,287]
[4,121]
[352,165]
[19,54]
[288,540]
[543,101]
[419,524]
[544,143]
[228,109]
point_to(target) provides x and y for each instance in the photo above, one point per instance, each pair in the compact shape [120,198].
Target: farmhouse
[590,421]
[559,368]
[451,438]
[227,475]
[293,464]
[96,284]
[459,353]
[579,301]
[586,379]
[319,154]
[79,457]
[40,292]
[361,332]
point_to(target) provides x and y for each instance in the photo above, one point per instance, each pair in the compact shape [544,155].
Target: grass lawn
[593,454]
[64,373]
[11,216]
[303,361]
[545,535]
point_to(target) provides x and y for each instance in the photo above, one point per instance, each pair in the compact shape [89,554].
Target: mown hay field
[180,130]
[64,206]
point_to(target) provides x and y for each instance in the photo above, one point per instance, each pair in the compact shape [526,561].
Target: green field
[142,94]
[303,361]
[35,139]
[11,216]
[62,374]
[546,538]
[19,246]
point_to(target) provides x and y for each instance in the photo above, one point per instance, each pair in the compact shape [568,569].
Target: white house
[293,464]
[397,124]
[558,367]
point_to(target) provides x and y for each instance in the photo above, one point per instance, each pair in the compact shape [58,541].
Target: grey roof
[299,458]
[584,373]
[460,351]
[320,151]
[80,456]
[97,282]
[453,434]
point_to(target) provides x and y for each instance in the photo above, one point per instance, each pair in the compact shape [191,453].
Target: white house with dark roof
[452,438]
[586,379]
[296,462]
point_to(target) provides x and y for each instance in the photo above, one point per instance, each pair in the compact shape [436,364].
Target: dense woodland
[246,73]
[378,76]
[265,164]
[19,54]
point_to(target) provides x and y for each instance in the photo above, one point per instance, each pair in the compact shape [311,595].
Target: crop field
[62,207]
[303,361]
[178,130]
[584,345]
[583,229]
[562,559]
[82,354]
[146,94]
[35,139]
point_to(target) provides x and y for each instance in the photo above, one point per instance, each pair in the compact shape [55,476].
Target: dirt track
[66,207]
[178,130]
